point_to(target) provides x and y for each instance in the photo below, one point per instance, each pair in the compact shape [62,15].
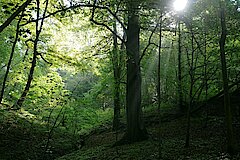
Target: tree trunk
[135,127]
[117,72]
[180,94]
[34,59]
[227,107]
[159,88]
[205,70]
[10,58]
[28,84]
[190,104]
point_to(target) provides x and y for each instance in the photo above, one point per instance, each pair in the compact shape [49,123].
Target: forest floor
[207,143]
[21,140]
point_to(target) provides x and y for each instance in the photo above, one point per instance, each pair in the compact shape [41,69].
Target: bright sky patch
[179,5]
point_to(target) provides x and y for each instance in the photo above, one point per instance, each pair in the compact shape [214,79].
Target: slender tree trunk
[190,104]
[117,74]
[29,81]
[227,107]
[135,127]
[159,88]
[205,70]
[34,61]
[180,94]
[10,58]
[38,29]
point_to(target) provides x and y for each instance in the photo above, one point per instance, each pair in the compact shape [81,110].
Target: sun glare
[179,5]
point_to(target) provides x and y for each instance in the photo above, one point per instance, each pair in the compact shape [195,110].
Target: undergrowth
[24,136]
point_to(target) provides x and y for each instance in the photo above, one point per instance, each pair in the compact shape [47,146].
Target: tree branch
[40,54]
[79,6]
[103,24]
[149,41]
[12,17]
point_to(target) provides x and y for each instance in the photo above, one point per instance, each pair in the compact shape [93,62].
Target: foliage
[73,82]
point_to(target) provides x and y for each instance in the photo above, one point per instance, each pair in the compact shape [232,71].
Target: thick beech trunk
[135,127]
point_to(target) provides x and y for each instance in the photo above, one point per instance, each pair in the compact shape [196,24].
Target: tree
[35,54]
[159,85]
[10,58]
[227,107]
[135,127]
[116,61]
[180,93]
[191,98]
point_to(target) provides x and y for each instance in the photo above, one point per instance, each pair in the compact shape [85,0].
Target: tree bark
[159,88]
[117,73]
[227,107]
[180,94]
[135,127]
[191,97]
